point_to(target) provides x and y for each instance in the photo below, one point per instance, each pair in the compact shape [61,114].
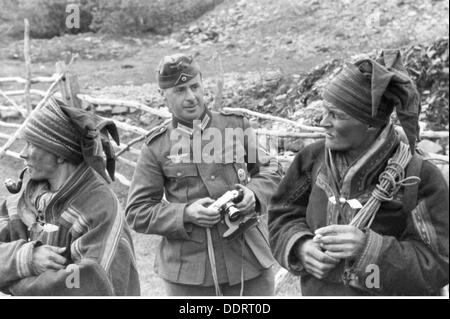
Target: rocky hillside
[274,56]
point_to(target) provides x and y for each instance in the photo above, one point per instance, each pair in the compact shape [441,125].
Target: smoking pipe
[15,187]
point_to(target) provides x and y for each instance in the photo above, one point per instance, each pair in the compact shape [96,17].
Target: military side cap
[176,69]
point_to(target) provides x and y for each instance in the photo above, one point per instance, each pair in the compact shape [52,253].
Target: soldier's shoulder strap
[155,133]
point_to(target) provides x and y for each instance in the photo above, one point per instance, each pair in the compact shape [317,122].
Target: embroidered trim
[332,213]
[322,183]
[23,259]
[75,251]
[300,190]
[77,221]
[4,221]
[112,241]
[371,251]
[423,225]
[12,202]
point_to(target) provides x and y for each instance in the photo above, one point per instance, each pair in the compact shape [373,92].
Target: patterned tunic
[90,224]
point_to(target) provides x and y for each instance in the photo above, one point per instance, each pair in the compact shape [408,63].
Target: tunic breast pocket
[241,173]
[181,180]
[234,173]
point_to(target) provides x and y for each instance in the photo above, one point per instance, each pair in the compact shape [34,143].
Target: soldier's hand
[314,260]
[248,202]
[340,241]
[48,257]
[198,213]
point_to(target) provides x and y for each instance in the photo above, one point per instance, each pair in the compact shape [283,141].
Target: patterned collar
[358,174]
[188,127]
[82,176]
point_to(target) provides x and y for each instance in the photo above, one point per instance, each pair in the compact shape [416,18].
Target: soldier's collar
[188,127]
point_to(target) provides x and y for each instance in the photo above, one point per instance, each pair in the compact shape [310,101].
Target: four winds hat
[74,134]
[369,90]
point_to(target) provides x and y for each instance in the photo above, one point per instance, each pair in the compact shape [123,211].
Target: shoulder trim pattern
[156,132]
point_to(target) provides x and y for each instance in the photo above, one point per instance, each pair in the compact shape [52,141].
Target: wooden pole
[27,57]
[18,108]
[69,85]
[49,92]
[138,139]
[126,161]
[220,82]
[275,118]
[285,134]
[122,179]
[131,150]
[13,154]
[130,128]
[4,136]
[13,125]
[433,134]
[163,113]
[18,79]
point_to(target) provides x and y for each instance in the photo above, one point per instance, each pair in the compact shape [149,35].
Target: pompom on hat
[74,134]
[176,69]
[369,90]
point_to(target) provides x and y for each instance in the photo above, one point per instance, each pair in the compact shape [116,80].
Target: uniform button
[179,174]
[213,177]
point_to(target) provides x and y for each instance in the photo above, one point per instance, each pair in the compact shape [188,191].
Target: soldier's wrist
[187,218]
[299,246]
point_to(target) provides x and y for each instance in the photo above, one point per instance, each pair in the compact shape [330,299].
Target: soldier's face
[186,100]
[343,132]
[42,165]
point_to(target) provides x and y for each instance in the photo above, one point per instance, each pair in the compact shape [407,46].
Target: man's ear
[163,94]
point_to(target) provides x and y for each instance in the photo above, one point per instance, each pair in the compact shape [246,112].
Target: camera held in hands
[233,218]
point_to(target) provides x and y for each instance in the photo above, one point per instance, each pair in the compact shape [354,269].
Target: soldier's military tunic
[164,184]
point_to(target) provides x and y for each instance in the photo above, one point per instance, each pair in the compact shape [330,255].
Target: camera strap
[212,261]
[242,265]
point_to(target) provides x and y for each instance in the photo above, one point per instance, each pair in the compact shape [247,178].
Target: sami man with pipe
[362,213]
[64,233]
[176,182]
